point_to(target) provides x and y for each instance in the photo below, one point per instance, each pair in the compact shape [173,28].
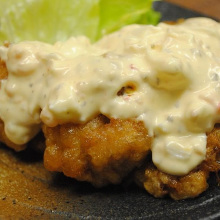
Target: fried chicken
[102,151]
[160,184]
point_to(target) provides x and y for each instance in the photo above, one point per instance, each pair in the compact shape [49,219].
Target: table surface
[207,7]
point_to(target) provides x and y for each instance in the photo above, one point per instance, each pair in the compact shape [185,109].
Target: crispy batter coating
[102,151]
[212,162]
[160,184]
[3,70]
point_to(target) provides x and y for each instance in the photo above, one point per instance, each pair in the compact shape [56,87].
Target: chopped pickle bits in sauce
[167,76]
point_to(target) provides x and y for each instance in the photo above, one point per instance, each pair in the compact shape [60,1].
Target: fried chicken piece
[191,185]
[212,161]
[160,184]
[102,151]
[3,137]
[3,70]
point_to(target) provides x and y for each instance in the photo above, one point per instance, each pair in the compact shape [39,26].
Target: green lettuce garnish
[56,20]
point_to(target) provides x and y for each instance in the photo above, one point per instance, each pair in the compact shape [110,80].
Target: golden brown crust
[3,70]
[102,151]
[212,160]
[160,184]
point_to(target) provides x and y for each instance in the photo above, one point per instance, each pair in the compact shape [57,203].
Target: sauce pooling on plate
[167,76]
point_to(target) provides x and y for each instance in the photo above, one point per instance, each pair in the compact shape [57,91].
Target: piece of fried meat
[102,151]
[106,150]
[191,185]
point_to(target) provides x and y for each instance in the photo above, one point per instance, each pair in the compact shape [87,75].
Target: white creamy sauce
[170,75]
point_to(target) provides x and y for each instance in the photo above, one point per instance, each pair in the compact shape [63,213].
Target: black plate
[171,12]
[28,191]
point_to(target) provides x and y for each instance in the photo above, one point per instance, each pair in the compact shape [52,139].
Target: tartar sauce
[167,76]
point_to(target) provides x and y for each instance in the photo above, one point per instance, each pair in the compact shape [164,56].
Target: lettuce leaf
[115,14]
[56,20]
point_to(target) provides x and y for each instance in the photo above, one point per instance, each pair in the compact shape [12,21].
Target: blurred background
[207,7]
